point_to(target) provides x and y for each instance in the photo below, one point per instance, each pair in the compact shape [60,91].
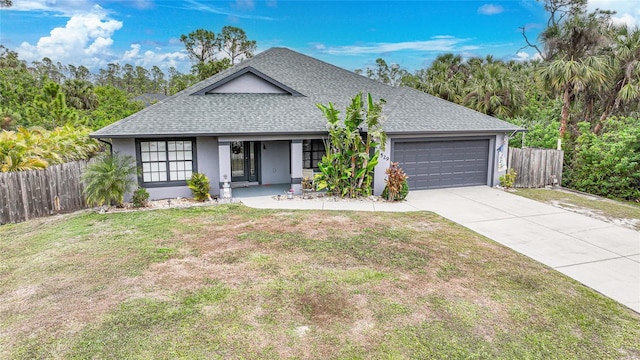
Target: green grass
[231,282]
[608,208]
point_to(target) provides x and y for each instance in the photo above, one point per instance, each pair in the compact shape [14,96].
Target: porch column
[224,163]
[296,166]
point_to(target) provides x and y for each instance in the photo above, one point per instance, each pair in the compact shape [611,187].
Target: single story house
[257,123]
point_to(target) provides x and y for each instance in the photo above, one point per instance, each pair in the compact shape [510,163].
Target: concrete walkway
[603,256]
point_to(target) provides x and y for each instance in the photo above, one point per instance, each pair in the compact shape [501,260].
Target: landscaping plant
[507,180]
[108,179]
[397,187]
[140,197]
[352,151]
[200,186]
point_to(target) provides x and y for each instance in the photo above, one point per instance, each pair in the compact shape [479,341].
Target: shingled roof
[305,82]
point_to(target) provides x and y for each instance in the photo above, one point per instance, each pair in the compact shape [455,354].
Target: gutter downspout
[109,144]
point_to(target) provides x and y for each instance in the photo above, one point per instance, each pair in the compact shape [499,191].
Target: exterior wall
[207,150]
[248,84]
[125,147]
[207,160]
[501,140]
[384,161]
[274,162]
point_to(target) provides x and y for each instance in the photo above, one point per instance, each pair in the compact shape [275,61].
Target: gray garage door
[443,164]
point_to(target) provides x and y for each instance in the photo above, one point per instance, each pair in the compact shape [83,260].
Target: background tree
[201,45]
[79,94]
[50,108]
[113,104]
[233,42]
[388,74]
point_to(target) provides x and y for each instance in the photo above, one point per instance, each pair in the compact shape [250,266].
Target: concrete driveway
[600,255]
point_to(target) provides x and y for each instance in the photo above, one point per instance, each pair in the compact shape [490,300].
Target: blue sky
[350,34]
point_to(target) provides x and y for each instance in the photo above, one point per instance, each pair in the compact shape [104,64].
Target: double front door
[245,158]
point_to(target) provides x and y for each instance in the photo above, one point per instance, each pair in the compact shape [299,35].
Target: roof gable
[248,80]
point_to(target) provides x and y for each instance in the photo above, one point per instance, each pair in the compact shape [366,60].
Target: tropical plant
[79,94]
[351,151]
[570,77]
[140,197]
[36,148]
[108,179]
[200,186]
[397,187]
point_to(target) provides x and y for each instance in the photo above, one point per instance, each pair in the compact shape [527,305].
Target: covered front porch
[260,190]
[253,165]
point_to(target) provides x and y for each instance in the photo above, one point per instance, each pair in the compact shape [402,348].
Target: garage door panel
[442,164]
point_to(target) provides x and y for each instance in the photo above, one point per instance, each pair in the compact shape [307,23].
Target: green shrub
[507,180]
[609,164]
[140,197]
[199,185]
[108,179]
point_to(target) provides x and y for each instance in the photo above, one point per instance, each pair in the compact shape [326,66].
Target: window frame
[167,183]
[322,151]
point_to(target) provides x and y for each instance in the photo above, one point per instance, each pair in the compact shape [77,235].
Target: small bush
[507,180]
[200,186]
[140,197]
[108,179]
[397,187]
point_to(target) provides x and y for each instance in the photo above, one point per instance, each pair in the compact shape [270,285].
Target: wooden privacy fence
[30,194]
[536,167]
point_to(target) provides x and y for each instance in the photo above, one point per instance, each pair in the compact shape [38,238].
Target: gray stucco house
[257,123]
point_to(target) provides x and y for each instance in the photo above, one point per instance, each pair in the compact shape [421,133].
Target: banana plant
[348,166]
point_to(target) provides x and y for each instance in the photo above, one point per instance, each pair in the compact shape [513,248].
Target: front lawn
[232,282]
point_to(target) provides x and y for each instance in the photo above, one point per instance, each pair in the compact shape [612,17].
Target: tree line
[49,94]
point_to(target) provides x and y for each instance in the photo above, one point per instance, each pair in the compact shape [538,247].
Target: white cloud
[525,56]
[625,19]
[490,9]
[436,43]
[627,11]
[245,4]
[148,59]
[85,36]
[65,7]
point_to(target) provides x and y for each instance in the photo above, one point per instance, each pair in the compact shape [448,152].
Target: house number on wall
[384,156]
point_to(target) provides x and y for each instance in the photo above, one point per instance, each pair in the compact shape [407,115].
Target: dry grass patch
[617,212]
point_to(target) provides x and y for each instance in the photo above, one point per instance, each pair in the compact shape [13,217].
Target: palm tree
[624,79]
[570,77]
[80,95]
[109,179]
[445,78]
[492,89]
